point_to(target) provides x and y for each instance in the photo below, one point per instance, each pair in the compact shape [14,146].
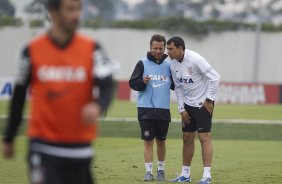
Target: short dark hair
[178,41]
[53,4]
[157,38]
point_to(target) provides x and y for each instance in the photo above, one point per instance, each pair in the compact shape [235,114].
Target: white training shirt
[195,80]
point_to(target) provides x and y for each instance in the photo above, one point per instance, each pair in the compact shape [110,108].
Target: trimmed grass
[120,161]
[243,153]
[219,131]
[127,109]
[262,112]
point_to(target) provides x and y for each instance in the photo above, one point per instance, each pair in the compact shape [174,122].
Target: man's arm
[103,71]
[136,81]
[172,86]
[179,92]
[213,83]
[17,103]
[212,75]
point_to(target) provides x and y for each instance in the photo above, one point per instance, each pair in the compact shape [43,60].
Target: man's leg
[161,150]
[148,135]
[148,158]
[207,152]
[45,168]
[161,133]
[148,151]
[187,152]
[77,171]
[188,147]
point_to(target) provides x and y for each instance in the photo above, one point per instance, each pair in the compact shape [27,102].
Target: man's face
[174,52]
[67,16]
[157,49]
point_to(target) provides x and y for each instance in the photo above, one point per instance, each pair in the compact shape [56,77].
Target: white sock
[185,171]
[207,172]
[161,165]
[149,167]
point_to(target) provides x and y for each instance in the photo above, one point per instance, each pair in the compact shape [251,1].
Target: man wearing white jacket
[196,84]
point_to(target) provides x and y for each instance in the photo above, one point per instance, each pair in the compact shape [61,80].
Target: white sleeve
[212,75]
[103,65]
[179,92]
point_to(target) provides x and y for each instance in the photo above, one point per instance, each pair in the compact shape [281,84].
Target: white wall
[230,53]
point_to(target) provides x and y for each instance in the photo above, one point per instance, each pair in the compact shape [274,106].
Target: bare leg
[161,150]
[148,151]
[188,147]
[207,151]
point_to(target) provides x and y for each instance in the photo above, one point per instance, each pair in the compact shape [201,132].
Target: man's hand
[91,112]
[8,150]
[185,117]
[208,106]
[146,79]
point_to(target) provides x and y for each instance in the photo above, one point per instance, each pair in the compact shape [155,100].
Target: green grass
[243,153]
[221,131]
[120,161]
[127,109]
[263,112]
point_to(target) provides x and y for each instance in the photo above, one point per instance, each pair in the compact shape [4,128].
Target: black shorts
[201,120]
[154,128]
[47,169]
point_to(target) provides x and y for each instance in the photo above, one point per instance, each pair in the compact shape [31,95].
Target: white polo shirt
[195,80]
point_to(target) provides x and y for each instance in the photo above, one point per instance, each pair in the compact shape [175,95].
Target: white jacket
[195,80]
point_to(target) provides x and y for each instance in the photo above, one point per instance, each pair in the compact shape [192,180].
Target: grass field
[243,153]
[120,161]
[127,109]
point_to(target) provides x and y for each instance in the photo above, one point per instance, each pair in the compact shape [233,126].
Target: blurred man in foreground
[62,68]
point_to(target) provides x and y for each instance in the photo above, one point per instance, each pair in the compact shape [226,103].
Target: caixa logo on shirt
[162,78]
[186,81]
[61,73]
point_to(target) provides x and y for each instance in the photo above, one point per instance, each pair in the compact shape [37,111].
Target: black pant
[47,169]
[201,120]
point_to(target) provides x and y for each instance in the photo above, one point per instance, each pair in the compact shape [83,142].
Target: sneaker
[148,176]
[160,175]
[181,179]
[205,180]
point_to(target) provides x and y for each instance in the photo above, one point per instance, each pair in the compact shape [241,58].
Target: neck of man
[180,58]
[60,35]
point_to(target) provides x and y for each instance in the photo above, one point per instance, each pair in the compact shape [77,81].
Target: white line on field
[227,121]
[174,120]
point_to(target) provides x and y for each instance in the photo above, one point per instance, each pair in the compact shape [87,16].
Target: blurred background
[240,39]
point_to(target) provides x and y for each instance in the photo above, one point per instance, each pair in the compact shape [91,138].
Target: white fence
[230,53]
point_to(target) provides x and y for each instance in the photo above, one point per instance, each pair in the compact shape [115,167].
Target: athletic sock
[149,167]
[161,165]
[207,172]
[185,171]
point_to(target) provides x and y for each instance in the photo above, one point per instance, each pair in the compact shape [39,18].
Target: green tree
[6,8]
[35,7]
[148,9]
[101,9]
